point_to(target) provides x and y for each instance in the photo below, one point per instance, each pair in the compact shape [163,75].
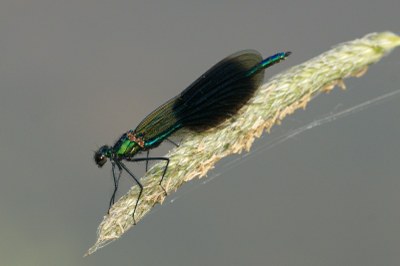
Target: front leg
[116,183]
[121,165]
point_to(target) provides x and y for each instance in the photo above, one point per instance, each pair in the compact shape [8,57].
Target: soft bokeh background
[76,74]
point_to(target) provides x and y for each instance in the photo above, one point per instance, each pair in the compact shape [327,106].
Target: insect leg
[147,161]
[120,164]
[116,182]
[166,159]
[172,142]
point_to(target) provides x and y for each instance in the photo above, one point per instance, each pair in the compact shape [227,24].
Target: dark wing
[220,92]
[216,95]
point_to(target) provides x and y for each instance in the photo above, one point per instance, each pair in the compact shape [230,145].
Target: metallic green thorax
[131,142]
[126,146]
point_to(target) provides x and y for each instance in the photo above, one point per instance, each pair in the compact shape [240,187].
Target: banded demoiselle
[212,98]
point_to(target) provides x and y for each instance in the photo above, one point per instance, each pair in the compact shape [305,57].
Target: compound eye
[99,157]
[101,160]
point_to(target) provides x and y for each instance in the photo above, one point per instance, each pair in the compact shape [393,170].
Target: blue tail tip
[286,54]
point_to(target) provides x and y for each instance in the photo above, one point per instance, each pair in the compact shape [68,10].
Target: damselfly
[212,98]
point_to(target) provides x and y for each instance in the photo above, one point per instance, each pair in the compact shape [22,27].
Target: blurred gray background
[75,75]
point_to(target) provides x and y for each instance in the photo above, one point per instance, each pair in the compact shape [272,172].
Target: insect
[212,98]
